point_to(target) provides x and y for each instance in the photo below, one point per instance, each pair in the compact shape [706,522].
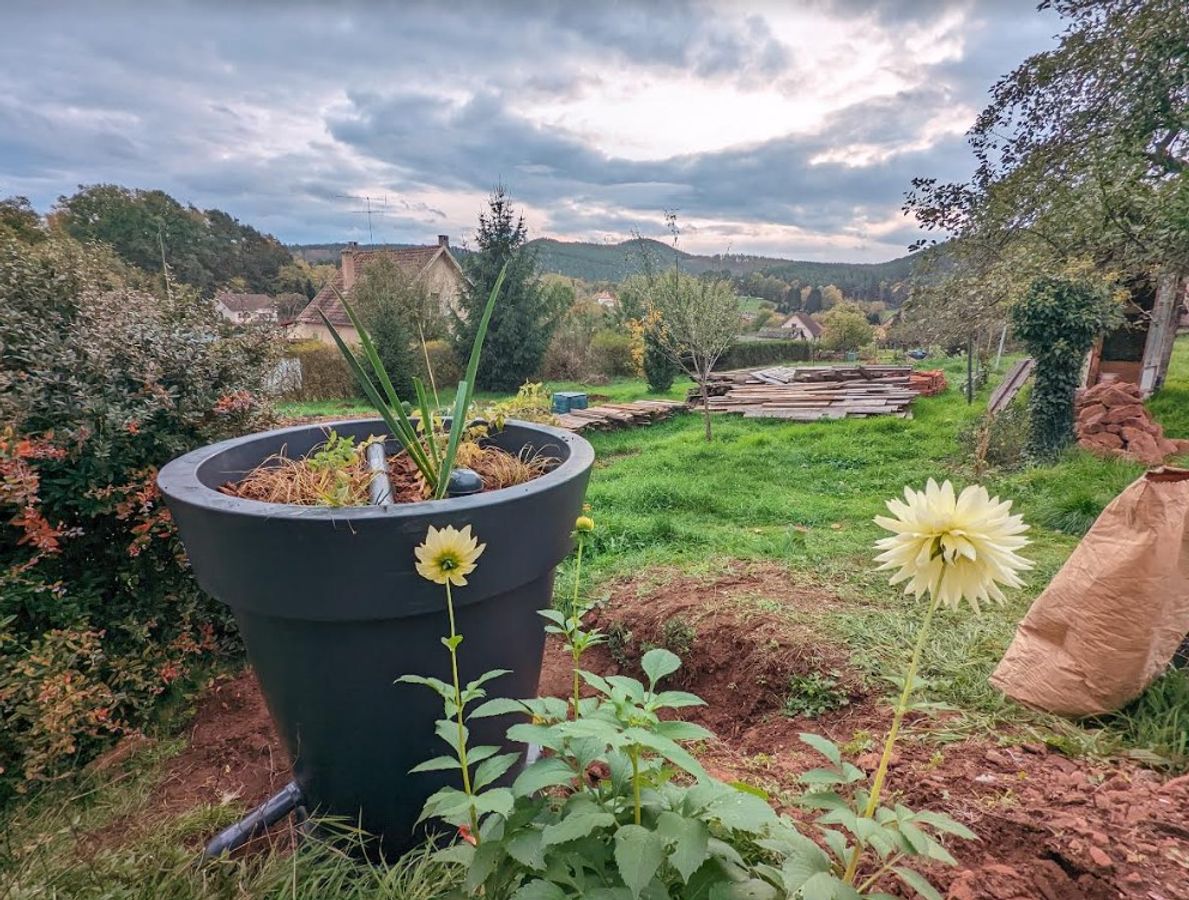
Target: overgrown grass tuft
[1158,721]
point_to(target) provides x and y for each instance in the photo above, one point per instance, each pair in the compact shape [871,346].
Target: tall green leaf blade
[426,419]
[481,336]
[457,427]
[398,407]
[401,428]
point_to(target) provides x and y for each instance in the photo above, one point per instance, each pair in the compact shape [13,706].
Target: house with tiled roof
[801,327]
[243,309]
[432,266]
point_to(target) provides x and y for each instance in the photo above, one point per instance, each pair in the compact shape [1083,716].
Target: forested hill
[614,262]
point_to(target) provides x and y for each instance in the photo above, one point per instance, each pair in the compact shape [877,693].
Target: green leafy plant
[618,806]
[1059,319]
[422,441]
[813,694]
[567,624]
[866,841]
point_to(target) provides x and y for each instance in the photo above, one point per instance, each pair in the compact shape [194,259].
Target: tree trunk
[706,405]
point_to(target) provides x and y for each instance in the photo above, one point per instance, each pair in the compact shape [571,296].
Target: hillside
[615,262]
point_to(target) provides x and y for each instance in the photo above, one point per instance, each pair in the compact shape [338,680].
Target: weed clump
[814,694]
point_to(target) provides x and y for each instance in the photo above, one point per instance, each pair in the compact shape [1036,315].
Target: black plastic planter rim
[182,478]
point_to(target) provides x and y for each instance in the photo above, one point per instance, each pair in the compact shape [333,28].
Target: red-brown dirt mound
[734,655]
[1049,827]
[1113,421]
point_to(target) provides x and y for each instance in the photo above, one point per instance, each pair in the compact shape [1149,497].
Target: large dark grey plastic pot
[332,610]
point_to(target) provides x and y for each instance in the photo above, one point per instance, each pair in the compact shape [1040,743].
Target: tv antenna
[380,205]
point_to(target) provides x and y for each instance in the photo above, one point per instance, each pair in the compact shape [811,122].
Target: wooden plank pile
[607,416]
[809,394]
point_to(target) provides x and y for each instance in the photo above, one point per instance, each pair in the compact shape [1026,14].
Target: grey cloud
[274,112]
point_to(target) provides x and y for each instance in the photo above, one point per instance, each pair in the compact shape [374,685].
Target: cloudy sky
[788,129]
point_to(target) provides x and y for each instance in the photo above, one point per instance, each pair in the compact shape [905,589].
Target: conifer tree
[525,314]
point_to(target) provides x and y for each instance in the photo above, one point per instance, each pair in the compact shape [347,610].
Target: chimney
[348,263]
[443,240]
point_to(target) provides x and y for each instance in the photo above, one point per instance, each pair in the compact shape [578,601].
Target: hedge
[747,354]
[324,372]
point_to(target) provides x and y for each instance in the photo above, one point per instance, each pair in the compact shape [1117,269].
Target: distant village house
[606,300]
[433,266]
[244,309]
[801,327]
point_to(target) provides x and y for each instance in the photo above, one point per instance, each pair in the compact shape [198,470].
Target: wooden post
[1162,332]
[970,369]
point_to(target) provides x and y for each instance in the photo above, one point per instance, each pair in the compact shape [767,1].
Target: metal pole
[1002,339]
[380,488]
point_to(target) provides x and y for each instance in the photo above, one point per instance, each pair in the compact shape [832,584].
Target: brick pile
[1112,420]
[927,382]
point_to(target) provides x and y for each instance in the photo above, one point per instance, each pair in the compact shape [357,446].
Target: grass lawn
[798,495]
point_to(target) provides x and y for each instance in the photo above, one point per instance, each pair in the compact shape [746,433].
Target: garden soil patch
[232,755]
[1050,827]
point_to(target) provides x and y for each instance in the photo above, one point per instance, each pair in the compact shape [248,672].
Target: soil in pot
[336,473]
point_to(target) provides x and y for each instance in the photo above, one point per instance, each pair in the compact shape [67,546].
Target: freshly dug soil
[1049,827]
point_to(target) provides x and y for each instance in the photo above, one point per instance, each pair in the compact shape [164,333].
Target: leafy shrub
[845,328]
[612,352]
[569,355]
[1058,320]
[532,403]
[324,372]
[748,354]
[100,383]
[660,369]
[447,370]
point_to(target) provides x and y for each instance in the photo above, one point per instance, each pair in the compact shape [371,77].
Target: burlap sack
[1115,614]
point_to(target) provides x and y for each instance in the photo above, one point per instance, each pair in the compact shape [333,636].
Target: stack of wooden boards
[606,416]
[808,394]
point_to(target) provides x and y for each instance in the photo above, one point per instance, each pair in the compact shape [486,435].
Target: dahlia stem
[577,576]
[881,773]
[462,744]
[634,755]
[574,651]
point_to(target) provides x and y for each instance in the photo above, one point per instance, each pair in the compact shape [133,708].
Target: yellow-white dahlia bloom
[448,555]
[953,547]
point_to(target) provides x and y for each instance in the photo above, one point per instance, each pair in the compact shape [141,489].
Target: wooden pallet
[812,393]
[607,416]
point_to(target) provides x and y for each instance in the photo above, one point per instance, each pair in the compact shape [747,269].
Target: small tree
[700,320]
[384,297]
[845,328]
[526,315]
[659,367]
[1058,320]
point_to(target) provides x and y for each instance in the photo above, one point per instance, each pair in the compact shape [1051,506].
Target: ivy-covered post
[1058,320]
